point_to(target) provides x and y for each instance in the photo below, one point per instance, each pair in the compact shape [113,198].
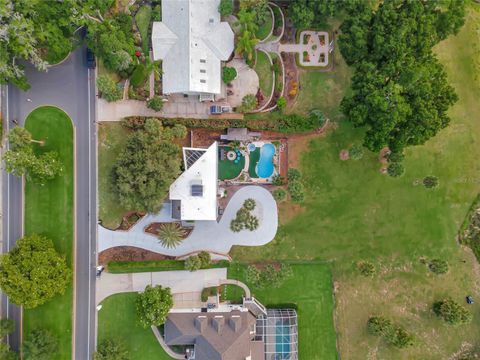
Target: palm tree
[171,234]
[247,19]
[246,44]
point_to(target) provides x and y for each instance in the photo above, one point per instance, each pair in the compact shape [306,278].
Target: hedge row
[293,123]
[121,267]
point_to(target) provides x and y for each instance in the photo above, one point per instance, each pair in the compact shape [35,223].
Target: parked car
[91,62]
[100,270]
[469,299]
[217,109]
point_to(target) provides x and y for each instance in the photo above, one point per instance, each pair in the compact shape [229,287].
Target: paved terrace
[207,235]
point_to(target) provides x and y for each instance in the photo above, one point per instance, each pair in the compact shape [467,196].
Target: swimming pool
[265,164]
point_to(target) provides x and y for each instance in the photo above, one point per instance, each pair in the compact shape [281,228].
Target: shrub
[139,75]
[228,74]
[155,103]
[355,152]
[296,190]
[438,266]
[7,326]
[236,226]
[293,174]
[277,180]
[252,223]
[249,103]
[205,258]
[430,182]
[279,194]
[242,215]
[391,333]
[206,292]
[157,13]
[226,7]
[281,103]
[395,156]
[108,88]
[366,268]
[193,263]
[171,234]
[395,169]
[453,313]
[111,350]
[249,204]
[317,117]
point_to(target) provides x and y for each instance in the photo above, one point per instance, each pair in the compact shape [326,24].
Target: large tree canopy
[33,272]
[147,166]
[153,305]
[400,90]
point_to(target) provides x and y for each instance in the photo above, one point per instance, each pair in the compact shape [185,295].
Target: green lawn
[49,211]
[117,320]
[254,157]
[352,212]
[263,30]
[310,289]
[265,73]
[111,140]
[121,267]
[142,18]
[228,169]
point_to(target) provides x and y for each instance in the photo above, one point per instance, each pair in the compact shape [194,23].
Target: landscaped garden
[49,212]
[230,168]
[264,29]
[350,205]
[265,73]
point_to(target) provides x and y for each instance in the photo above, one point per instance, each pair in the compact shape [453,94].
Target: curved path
[164,345]
[245,288]
[206,235]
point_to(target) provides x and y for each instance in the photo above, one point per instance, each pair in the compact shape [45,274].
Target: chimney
[235,322]
[217,323]
[201,323]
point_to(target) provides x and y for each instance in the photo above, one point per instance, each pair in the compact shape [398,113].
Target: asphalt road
[70,86]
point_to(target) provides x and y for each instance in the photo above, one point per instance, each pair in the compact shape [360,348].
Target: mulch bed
[127,221]
[153,229]
[129,253]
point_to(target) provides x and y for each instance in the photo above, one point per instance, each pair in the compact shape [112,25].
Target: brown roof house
[235,332]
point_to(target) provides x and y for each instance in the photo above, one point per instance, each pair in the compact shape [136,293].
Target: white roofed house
[194,194]
[192,42]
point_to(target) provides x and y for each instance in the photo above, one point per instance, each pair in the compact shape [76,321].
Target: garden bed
[129,253]
[130,219]
[153,229]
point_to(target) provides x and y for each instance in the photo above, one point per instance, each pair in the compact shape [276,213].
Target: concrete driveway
[207,235]
[186,286]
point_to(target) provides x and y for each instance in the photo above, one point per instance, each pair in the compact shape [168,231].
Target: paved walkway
[164,345]
[314,48]
[245,83]
[206,235]
[186,286]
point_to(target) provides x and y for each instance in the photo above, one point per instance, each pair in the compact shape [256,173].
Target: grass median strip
[49,211]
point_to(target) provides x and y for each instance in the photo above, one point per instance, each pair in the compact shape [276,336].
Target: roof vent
[201,323]
[217,323]
[235,322]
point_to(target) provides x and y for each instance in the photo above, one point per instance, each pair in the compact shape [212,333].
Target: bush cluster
[288,124]
[200,261]
[438,266]
[295,186]
[393,334]
[355,152]
[269,276]
[244,219]
[452,312]
[228,74]
[155,103]
[430,182]
[279,194]
[108,88]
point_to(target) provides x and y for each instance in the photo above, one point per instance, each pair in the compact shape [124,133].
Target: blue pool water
[282,342]
[265,164]
[251,147]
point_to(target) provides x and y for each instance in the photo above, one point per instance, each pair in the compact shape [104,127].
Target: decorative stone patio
[312,53]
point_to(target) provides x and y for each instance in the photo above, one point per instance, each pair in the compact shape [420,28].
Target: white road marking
[89,208]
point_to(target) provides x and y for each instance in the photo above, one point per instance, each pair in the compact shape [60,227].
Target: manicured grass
[117,320]
[310,288]
[111,140]
[121,267]
[49,211]
[231,293]
[352,212]
[228,169]
[263,30]
[254,157]
[142,18]
[265,73]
